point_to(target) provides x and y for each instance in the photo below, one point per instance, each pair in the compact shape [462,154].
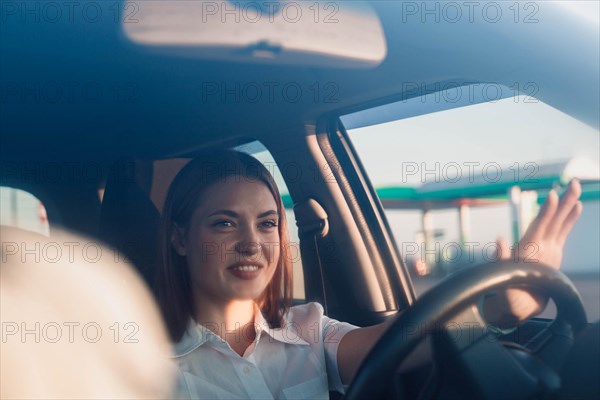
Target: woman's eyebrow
[268,213]
[236,215]
[225,212]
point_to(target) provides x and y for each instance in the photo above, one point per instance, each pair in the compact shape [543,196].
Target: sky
[505,132]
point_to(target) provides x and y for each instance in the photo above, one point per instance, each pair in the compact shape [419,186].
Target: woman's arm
[542,243]
[355,345]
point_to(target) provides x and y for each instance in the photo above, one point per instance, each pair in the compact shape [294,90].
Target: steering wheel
[493,370]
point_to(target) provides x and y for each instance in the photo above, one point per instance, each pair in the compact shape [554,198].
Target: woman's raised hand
[546,236]
[543,242]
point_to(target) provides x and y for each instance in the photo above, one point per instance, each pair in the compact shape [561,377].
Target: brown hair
[173,282]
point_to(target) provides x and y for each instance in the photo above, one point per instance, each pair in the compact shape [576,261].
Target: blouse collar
[196,334]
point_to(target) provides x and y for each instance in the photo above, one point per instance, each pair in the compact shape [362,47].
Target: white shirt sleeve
[332,333]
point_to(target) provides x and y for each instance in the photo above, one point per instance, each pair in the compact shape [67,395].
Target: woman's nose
[248,248]
[249,242]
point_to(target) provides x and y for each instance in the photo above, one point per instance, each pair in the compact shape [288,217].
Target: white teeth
[246,268]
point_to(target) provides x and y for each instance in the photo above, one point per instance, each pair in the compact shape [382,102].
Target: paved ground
[587,284]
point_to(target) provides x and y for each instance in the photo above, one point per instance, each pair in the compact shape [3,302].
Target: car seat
[129,220]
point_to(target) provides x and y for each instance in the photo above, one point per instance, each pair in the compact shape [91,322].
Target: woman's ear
[178,240]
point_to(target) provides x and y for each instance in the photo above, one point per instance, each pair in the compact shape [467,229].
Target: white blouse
[297,361]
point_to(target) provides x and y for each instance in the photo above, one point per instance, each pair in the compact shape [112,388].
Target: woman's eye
[269,224]
[222,224]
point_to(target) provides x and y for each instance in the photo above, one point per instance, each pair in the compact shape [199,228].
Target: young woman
[225,288]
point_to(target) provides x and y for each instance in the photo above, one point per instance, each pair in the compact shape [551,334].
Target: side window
[455,181]
[21,209]
[257,150]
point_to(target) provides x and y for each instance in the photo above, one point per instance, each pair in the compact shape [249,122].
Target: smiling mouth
[245,271]
[245,268]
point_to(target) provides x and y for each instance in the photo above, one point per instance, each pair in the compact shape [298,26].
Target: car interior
[99,113]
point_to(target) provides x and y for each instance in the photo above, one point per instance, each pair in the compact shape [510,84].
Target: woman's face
[232,243]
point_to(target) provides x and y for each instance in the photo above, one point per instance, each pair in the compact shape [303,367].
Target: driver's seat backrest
[129,220]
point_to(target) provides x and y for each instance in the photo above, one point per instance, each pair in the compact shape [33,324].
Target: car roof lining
[167,114]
